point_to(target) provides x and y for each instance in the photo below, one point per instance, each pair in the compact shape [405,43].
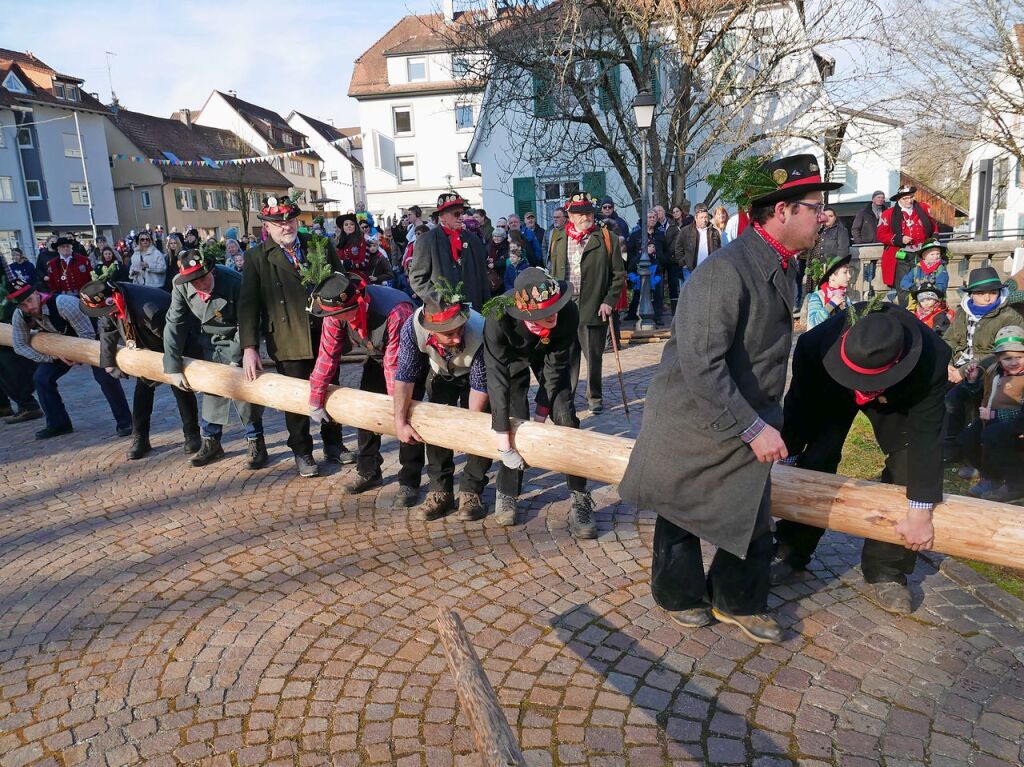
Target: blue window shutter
[523,195]
[543,103]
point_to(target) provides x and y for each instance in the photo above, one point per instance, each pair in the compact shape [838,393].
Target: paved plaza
[153,613]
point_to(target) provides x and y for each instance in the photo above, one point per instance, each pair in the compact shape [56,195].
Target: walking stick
[618,366]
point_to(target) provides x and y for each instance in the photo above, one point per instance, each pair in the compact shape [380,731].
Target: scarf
[294,254]
[925,269]
[784,253]
[576,234]
[981,311]
[120,306]
[455,240]
[360,323]
[832,293]
[864,397]
[939,309]
[544,334]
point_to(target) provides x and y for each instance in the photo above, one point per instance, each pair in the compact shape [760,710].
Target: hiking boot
[892,597]
[581,515]
[124,431]
[257,453]
[139,447]
[436,505]
[50,431]
[25,415]
[471,507]
[306,465]
[339,454]
[407,496]
[762,627]
[982,489]
[505,510]
[192,444]
[967,472]
[1004,494]
[210,451]
[596,407]
[693,618]
[361,483]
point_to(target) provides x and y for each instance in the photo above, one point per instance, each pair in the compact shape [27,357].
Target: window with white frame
[465,166]
[71,92]
[79,194]
[234,201]
[3,141]
[6,189]
[25,138]
[460,67]
[295,166]
[34,189]
[464,117]
[401,120]
[13,84]
[254,200]
[58,90]
[8,241]
[406,169]
[210,200]
[147,200]
[417,69]
[71,148]
[286,138]
[334,175]
[186,198]
[310,169]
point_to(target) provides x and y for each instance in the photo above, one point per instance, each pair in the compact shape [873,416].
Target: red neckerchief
[120,306]
[360,323]
[929,269]
[930,315]
[864,397]
[544,334]
[203,295]
[577,235]
[455,240]
[444,351]
[831,293]
[784,253]
[292,255]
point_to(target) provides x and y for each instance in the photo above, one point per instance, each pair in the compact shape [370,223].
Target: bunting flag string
[221,163]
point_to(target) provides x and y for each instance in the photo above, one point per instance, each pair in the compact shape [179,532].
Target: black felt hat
[903,191]
[18,290]
[793,178]
[449,201]
[877,351]
[278,209]
[336,293]
[984,278]
[581,202]
[97,299]
[192,265]
[834,266]
[927,287]
[339,220]
[536,295]
[63,240]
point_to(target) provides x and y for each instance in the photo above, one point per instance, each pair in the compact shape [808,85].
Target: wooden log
[491,732]
[964,527]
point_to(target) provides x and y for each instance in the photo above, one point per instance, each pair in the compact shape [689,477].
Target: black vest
[382,301]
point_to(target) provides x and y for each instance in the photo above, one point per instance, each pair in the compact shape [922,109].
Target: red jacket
[892,237]
[69,278]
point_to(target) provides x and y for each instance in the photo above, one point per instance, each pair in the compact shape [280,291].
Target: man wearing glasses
[726,362]
[608,213]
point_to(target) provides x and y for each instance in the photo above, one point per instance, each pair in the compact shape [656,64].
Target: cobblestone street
[153,613]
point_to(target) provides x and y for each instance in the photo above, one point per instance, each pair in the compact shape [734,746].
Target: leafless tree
[730,78]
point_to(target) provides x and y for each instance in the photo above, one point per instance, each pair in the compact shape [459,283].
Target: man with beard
[272,307]
[449,253]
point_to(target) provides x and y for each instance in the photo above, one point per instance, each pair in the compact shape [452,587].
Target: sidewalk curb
[1004,603]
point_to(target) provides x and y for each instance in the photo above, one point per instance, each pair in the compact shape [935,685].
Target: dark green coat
[984,334]
[273,302]
[602,274]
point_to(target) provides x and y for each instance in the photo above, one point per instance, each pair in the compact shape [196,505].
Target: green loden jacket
[602,274]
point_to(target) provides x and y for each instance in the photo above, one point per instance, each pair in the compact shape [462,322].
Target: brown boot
[436,505]
[470,506]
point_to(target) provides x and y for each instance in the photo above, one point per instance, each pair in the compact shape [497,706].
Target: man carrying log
[441,350]
[369,317]
[879,360]
[136,314]
[711,424]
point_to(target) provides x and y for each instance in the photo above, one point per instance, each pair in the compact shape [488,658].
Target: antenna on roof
[110,78]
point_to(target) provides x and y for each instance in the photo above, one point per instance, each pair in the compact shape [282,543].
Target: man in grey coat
[713,415]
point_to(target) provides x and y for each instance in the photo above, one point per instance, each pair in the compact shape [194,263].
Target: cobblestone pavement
[158,614]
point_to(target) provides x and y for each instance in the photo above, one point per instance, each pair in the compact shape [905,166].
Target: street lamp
[643,111]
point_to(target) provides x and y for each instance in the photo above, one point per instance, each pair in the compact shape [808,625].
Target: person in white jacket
[148,264]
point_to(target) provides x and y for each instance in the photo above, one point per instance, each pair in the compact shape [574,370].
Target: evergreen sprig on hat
[448,294]
[497,307]
[213,251]
[873,304]
[317,268]
[742,180]
[105,274]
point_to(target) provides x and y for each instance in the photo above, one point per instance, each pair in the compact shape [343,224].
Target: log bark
[491,732]
[964,527]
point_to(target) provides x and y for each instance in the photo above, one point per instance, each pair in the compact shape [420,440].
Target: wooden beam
[964,527]
[491,732]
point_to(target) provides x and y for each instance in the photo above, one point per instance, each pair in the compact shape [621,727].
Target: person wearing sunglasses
[148,265]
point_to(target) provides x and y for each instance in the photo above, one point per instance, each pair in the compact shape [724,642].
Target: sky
[284,55]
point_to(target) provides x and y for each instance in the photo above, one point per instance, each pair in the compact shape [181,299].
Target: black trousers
[961,407]
[590,342]
[142,408]
[881,562]
[16,380]
[733,585]
[368,458]
[299,439]
[441,460]
[994,449]
[673,273]
[563,413]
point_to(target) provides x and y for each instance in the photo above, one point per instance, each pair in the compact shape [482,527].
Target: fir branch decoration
[873,304]
[448,294]
[105,274]
[317,268]
[214,251]
[496,308]
[740,181]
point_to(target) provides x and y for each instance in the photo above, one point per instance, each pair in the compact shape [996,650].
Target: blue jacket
[537,259]
[511,272]
[916,276]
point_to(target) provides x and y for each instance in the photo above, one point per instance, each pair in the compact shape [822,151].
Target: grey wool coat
[432,258]
[724,366]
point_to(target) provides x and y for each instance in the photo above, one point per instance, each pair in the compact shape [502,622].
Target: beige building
[206,196]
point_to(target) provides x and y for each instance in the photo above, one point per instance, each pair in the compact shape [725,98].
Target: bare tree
[730,79]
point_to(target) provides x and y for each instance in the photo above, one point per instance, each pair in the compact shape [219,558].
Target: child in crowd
[832,281]
[992,444]
[930,306]
[516,264]
[931,267]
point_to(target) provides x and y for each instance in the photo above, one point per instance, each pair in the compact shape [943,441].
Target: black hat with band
[878,350]
[536,295]
[983,279]
[192,265]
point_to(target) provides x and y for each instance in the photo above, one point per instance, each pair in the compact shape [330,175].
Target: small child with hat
[929,302]
[992,444]
[931,267]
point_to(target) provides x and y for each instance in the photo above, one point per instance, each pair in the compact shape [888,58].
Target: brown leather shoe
[693,618]
[471,507]
[891,597]
[436,505]
[762,627]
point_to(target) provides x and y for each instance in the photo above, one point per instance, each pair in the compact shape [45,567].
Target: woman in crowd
[108,258]
[149,266]
[720,220]
[234,255]
[21,266]
[497,257]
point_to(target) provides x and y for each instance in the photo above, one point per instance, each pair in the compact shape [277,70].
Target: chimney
[492,9]
[185,115]
[448,10]
[233,94]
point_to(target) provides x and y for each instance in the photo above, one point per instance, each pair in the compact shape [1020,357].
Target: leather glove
[178,381]
[512,459]
[319,416]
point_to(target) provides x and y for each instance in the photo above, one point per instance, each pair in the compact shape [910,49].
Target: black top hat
[18,290]
[877,351]
[793,178]
[192,265]
[450,200]
[278,209]
[581,202]
[928,287]
[97,299]
[536,295]
[63,240]
[336,293]
[903,191]
[982,279]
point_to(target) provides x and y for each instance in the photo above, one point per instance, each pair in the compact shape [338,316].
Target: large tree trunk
[964,527]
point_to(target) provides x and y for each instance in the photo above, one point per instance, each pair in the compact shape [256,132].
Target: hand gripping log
[964,527]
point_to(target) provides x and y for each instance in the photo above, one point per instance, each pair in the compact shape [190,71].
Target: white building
[268,133]
[869,159]
[341,174]
[417,111]
[59,165]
